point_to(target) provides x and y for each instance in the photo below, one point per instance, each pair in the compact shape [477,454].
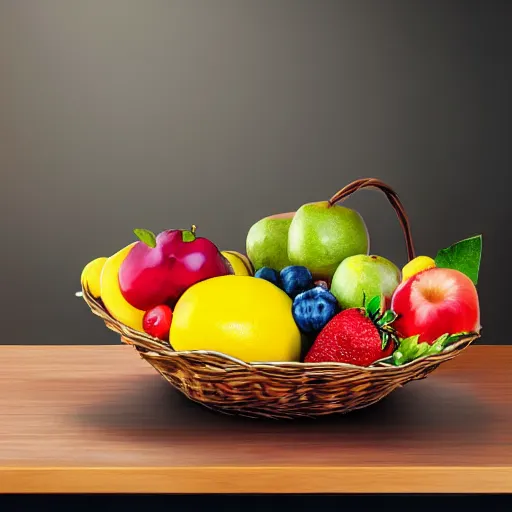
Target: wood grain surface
[101,420]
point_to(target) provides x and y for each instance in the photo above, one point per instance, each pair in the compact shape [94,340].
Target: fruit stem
[193,229]
[392,198]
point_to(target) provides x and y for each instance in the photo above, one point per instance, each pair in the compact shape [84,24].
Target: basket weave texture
[273,390]
[281,390]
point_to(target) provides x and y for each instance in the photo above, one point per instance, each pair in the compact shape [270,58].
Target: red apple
[434,302]
[157,322]
[173,261]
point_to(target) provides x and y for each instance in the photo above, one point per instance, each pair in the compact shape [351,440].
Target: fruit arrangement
[307,301]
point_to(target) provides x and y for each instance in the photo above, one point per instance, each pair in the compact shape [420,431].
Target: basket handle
[393,199]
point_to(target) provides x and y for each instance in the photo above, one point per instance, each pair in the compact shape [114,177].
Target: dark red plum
[151,276]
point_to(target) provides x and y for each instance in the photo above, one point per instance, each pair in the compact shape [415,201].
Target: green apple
[267,242]
[363,276]
[321,236]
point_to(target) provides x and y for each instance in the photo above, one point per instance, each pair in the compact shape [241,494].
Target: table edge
[265,480]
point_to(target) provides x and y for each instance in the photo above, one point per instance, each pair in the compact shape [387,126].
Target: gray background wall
[159,114]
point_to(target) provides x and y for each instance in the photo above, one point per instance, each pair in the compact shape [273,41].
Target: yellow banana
[111,294]
[90,277]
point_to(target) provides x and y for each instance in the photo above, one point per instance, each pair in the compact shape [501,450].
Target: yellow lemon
[241,316]
[417,265]
[111,294]
[90,277]
[240,263]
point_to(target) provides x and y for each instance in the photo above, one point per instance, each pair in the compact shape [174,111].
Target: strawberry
[358,336]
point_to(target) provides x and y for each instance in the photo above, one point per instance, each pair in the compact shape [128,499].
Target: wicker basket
[281,390]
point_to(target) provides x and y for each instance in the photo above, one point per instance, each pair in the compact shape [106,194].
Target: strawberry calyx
[382,319]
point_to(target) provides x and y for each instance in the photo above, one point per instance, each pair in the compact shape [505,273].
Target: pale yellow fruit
[111,294]
[417,265]
[90,278]
[239,262]
[240,316]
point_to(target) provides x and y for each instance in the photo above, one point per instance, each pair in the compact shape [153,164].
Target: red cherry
[157,322]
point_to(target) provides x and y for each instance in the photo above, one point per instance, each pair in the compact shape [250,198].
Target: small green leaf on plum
[146,236]
[188,236]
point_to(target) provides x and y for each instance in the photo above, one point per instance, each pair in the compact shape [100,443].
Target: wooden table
[101,420]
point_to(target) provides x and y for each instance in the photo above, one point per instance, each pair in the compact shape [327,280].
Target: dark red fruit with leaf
[157,322]
[159,269]
[358,336]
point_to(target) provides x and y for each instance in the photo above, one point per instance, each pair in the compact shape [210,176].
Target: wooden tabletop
[98,419]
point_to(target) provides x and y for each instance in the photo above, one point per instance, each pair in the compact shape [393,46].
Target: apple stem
[393,199]
[193,229]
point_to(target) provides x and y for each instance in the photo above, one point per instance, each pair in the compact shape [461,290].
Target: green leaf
[463,256]
[146,236]
[188,236]
[388,317]
[409,348]
[374,306]
[385,340]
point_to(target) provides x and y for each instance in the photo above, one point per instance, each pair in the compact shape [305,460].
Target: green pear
[267,242]
[362,277]
[321,236]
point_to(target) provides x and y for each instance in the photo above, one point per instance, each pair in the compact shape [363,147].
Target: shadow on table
[420,410]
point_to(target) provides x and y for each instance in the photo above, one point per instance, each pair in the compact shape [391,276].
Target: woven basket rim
[157,347]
